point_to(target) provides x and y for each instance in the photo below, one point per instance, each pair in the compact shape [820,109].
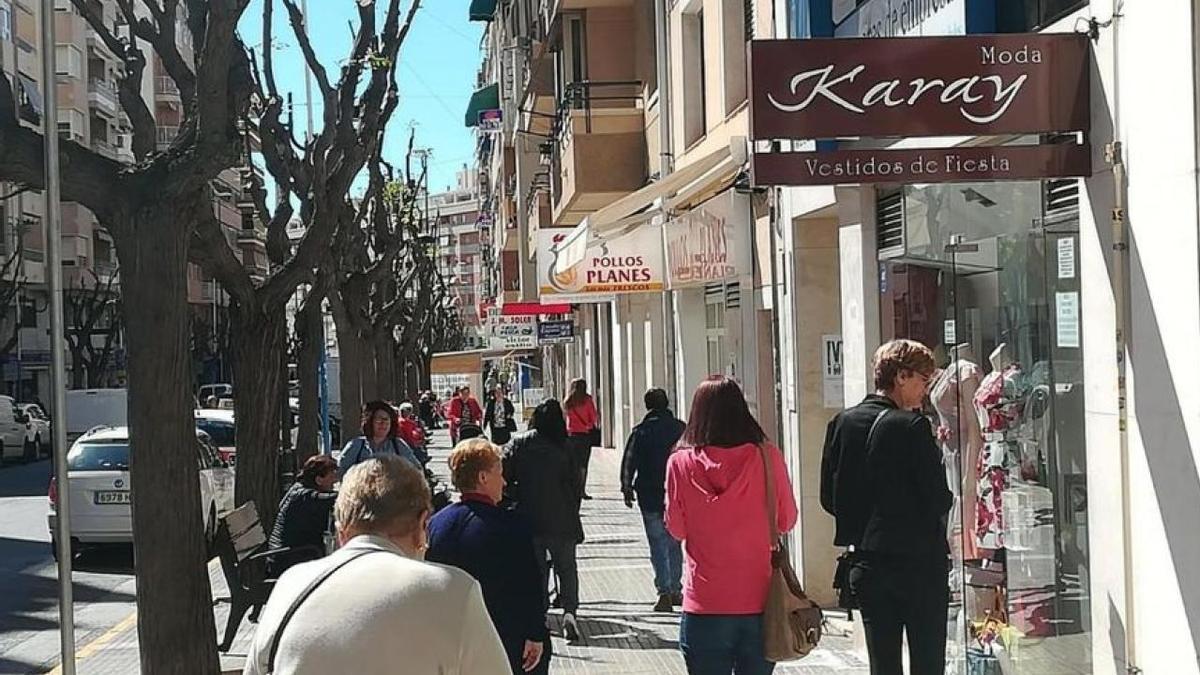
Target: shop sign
[706,244]
[491,121]
[939,165]
[513,332]
[632,263]
[924,86]
[899,18]
[556,332]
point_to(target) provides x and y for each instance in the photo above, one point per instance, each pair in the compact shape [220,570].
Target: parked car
[218,424]
[38,432]
[13,432]
[219,391]
[91,408]
[98,480]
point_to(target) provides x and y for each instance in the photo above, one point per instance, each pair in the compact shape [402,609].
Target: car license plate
[113,497]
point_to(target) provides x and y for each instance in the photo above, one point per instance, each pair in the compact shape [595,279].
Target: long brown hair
[369,411]
[579,393]
[720,416]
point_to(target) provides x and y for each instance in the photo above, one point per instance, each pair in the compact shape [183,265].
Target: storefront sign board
[928,86]
[939,165]
[899,18]
[709,243]
[632,263]
[556,332]
[513,332]
[831,371]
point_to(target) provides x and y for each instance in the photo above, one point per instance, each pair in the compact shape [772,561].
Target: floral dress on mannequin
[999,403]
[952,395]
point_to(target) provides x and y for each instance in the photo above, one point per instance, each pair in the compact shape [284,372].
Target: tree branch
[299,24]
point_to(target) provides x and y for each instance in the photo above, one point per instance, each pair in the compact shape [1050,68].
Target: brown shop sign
[978,85]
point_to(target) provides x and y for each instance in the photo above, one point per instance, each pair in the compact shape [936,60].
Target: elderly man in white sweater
[375,606]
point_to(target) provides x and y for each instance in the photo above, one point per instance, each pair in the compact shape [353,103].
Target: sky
[438,64]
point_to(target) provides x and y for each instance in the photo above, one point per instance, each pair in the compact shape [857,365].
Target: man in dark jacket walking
[644,475]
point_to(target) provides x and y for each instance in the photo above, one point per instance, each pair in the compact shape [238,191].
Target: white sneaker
[570,627]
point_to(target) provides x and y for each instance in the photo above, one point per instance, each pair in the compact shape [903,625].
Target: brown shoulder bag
[791,622]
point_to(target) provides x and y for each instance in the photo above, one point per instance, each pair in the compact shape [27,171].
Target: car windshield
[221,433]
[101,456]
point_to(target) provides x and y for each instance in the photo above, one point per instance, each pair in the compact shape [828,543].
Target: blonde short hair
[384,494]
[468,459]
[897,356]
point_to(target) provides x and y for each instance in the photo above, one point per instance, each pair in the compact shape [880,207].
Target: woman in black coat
[498,416]
[495,546]
[303,516]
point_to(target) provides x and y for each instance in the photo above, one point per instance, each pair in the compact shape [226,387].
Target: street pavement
[621,633]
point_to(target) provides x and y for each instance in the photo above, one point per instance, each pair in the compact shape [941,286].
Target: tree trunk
[78,370]
[259,345]
[175,619]
[309,326]
[386,373]
[350,358]
[368,373]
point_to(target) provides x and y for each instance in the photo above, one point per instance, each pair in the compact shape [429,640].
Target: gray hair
[384,494]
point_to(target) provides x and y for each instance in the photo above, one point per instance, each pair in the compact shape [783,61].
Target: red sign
[943,165]
[940,86]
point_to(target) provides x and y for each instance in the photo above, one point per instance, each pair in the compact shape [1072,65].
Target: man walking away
[375,607]
[644,475]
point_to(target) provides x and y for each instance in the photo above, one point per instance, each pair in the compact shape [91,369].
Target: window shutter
[889,224]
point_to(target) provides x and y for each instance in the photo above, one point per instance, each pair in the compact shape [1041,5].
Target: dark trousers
[514,647]
[903,598]
[581,445]
[721,644]
[501,436]
[562,554]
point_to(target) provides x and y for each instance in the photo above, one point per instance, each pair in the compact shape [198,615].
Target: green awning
[482,10]
[487,98]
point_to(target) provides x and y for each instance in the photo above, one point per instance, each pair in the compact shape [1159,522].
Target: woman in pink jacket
[717,506]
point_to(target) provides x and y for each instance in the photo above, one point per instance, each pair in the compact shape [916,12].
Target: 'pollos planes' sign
[939,86]
[629,264]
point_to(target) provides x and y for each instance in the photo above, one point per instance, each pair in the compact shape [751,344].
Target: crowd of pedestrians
[707,489]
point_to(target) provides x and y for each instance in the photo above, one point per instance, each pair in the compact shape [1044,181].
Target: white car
[13,428]
[218,424]
[38,432]
[98,480]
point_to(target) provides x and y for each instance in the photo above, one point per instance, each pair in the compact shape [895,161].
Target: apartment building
[463,242]
[90,114]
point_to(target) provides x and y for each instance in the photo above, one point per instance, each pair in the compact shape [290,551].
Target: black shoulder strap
[308,590]
[874,426]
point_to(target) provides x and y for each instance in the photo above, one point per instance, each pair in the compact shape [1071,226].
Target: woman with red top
[583,428]
[717,506]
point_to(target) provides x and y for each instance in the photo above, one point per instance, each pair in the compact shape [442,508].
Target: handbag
[846,561]
[791,622]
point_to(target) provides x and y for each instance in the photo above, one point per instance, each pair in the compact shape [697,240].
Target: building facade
[1061,307]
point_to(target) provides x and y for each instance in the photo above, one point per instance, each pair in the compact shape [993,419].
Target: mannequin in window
[952,395]
[999,402]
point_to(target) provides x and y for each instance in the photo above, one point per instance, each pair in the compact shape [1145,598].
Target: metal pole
[665,166]
[53,230]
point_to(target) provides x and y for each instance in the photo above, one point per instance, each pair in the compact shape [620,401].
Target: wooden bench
[241,544]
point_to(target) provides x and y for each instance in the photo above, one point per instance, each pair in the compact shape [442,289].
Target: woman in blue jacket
[495,546]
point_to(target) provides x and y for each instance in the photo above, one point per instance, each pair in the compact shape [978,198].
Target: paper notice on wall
[949,332]
[1066,310]
[831,371]
[1066,258]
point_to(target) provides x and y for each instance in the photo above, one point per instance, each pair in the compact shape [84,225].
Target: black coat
[495,547]
[301,524]
[891,497]
[489,415]
[543,479]
[644,466]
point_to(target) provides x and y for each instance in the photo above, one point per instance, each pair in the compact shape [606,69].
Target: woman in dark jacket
[495,546]
[883,480]
[303,517]
[498,416]
[542,476]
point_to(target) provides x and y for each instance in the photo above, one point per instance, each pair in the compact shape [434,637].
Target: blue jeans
[665,554]
[721,644]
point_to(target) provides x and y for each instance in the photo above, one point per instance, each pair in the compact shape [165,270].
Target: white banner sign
[629,264]
[513,332]
[831,371]
[708,243]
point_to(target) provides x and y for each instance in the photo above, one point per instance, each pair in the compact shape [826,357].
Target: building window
[28,313]
[69,61]
[1030,15]
[714,330]
[733,34]
[5,21]
[695,120]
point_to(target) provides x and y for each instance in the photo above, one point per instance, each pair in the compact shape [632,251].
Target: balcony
[552,10]
[102,97]
[166,90]
[598,154]
[166,136]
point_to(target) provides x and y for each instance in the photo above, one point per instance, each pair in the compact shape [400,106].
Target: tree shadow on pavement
[615,632]
[22,667]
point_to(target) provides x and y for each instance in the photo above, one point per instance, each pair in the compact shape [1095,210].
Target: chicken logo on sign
[567,280]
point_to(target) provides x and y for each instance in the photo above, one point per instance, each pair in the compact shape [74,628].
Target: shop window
[987,275]
[733,34]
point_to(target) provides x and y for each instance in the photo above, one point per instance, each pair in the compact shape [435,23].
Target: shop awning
[482,10]
[688,186]
[487,98]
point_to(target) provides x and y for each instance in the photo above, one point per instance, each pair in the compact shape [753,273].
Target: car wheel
[54,549]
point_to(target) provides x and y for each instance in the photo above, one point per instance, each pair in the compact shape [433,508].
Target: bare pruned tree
[93,325]
[316,174]
[151,208]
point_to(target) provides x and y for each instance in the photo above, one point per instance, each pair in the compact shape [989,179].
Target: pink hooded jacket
[716,506]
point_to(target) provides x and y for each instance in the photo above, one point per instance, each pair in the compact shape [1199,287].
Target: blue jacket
[358,450]
[495,546]
[644,467]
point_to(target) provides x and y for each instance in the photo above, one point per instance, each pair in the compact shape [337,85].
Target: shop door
[997,297]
